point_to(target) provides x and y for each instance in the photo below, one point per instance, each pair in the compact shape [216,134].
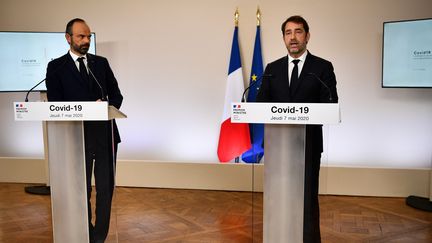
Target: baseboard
[23,170]
[214,176]
[375,181]
[236,177]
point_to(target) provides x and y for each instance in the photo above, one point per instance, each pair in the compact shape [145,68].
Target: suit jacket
[64,83]
[275,88]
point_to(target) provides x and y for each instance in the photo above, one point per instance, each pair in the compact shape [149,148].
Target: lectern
[66,156]
[284,168]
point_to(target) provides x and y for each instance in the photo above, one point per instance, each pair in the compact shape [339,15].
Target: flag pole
[236,20]
[256,131]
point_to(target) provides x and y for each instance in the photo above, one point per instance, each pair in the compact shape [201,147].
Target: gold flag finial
[258,14]
[236,17]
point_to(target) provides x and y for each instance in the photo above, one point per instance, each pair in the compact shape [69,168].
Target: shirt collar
[75,56]
[302,58]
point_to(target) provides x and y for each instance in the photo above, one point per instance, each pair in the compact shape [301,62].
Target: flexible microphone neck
[324,84]
[28,92]
[253,84]
[97,82]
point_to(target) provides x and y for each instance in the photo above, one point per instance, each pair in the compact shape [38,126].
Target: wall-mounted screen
[25,55]
[407,54]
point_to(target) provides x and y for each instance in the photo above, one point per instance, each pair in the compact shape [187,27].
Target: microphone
[325,85]
[55,71]
[97,82]
[253,84]
[28,92]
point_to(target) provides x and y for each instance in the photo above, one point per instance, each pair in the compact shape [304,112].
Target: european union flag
[255,154]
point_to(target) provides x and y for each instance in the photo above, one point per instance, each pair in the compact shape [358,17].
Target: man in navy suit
[80,76]
[303,78]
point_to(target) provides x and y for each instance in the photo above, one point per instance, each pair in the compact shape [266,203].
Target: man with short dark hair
[294,80]
[80,76]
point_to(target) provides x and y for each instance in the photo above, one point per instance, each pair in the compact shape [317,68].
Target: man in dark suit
[301,77]
[80,76]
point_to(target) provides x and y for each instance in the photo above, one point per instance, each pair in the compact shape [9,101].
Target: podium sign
[61,111]
[285,113]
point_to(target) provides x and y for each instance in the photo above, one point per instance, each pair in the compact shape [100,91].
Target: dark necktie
[83,69]
[294,73]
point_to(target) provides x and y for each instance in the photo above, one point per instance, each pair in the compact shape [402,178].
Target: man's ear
[68,38]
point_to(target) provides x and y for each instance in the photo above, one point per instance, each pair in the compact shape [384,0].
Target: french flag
[234,138]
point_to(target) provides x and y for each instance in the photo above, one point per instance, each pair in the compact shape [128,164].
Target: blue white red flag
[234,138]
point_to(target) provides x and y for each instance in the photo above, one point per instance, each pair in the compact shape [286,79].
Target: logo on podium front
[286,113]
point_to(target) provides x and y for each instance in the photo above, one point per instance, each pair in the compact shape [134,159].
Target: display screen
[25,56]
[407,54]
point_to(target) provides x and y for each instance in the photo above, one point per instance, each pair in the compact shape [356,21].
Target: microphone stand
[38,189]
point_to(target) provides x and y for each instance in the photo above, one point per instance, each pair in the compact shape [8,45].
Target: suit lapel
[91,67]
[284,80]
[76,76]
[304,72]
[91,62]
[306,67]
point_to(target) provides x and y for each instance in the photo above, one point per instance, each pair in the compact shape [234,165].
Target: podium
[284,168]
[66,156]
